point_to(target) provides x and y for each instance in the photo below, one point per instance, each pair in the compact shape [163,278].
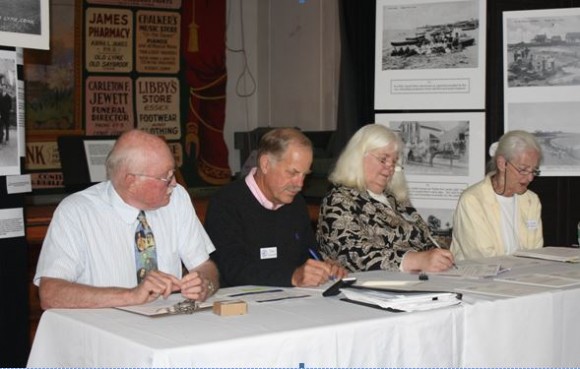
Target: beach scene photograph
[555,126]
[430,36]
[543,51]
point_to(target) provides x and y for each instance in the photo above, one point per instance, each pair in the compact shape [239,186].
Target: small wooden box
[229,308]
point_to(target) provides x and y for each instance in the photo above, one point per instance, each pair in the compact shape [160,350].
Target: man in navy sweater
[260,225]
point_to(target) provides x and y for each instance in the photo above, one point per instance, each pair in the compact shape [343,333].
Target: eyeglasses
[387,161]
[525,172]
[168,180]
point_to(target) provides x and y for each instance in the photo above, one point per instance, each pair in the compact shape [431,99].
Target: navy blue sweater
[241,229]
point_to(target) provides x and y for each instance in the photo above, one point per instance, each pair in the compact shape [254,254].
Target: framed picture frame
[25,23]
[51,77]
[52,99]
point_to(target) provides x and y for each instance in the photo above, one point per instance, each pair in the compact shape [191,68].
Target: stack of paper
[544,280]
[564,254]
[473,271]
[503,289]
[403,300]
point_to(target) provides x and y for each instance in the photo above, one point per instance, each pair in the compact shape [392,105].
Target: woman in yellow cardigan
[499,215]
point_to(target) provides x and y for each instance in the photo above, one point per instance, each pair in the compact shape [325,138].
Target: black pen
[255,292]
[283,298]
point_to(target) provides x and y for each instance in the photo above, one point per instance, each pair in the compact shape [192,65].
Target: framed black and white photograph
[542,51]
[555,126]
[9,129]
[443,154]
[542,83]
[25,23]
[430,54]
[434,147]
[440,221]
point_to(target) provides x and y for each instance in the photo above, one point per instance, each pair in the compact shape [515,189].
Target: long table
[539,329]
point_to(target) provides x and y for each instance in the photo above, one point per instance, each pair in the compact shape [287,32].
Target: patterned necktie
[145,251]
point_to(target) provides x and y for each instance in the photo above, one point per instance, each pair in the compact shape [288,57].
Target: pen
[315,256]
[284,298]
[439,247]
[255,292]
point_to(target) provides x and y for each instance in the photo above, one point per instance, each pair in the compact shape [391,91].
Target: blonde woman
[366,220]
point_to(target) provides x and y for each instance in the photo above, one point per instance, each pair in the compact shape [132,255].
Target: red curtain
[203,48]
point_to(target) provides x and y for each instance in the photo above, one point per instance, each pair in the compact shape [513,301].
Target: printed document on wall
[11,223]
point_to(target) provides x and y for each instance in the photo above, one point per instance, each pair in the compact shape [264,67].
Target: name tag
[532,224]
[268,253]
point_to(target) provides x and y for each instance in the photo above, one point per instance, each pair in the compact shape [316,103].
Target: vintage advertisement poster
[430,54]
[9,143]
[108,105]
[109,40]
[42,156]
[157,45]
[167,4]
[25,23]
[443,155]
[542,83]
[46,180]
[158,106]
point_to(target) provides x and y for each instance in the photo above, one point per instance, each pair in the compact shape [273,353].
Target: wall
[292,49]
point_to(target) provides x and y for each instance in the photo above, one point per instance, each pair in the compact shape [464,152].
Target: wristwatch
[210,287]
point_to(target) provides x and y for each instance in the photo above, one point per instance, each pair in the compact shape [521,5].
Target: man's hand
[197,287]
[154,285]
[201,282]
[59,293]
[314,273]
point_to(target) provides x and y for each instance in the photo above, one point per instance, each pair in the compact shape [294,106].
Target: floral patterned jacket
[362,233]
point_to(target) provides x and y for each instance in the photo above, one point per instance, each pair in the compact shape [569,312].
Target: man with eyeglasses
[88,258]
[500,215]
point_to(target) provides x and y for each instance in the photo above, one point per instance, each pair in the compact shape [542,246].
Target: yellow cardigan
[477,228]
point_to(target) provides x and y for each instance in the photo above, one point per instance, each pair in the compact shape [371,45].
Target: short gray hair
[276,142]
[511,144]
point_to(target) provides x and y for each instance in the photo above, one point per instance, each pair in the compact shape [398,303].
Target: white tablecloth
[534,330]
[539,330]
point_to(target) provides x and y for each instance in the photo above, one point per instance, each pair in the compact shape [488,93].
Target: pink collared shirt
[257,192]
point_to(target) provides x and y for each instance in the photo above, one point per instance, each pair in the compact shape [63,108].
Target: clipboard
[170,306]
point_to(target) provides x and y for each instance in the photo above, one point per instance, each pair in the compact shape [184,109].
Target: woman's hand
[434,260]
